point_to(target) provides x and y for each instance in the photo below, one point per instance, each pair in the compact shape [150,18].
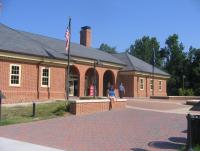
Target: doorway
[73,87]
[74,81]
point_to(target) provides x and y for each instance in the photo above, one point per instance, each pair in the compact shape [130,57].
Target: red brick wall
[100,71]
[92,107]
[147,92]
[142,93]
[57,84]
[27,91]
[128,82]
[132,86]
[157,92]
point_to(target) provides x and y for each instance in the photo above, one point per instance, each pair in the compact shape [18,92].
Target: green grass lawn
[197,148]
[22,114]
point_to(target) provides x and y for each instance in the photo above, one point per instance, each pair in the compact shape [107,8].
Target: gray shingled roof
[135,64]
[16,41]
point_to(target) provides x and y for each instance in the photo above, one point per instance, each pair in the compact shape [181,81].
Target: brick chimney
[85,36]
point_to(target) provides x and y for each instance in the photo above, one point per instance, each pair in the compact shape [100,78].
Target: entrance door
[75,87]
[71,88]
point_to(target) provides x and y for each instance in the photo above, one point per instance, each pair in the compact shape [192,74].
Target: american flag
[67,36]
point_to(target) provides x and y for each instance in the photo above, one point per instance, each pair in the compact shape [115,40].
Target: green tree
[107,48]
[194,69]
[175,63]
[143,48]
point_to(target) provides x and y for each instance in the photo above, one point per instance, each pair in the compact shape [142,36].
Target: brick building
[33,67]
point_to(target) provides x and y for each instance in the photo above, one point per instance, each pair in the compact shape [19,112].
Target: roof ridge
[21,32]
[128,55]
[145,63]
[42,45]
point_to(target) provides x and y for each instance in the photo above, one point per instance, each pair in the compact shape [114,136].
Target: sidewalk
[13,145]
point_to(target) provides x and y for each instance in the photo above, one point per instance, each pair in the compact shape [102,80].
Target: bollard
[34,107]
[189,133]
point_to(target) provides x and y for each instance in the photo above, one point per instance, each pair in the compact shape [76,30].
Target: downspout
[38,79]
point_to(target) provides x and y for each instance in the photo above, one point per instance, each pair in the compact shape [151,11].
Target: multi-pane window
[141,84]
[151,84]
[160,85]
[15,74]
[45,77]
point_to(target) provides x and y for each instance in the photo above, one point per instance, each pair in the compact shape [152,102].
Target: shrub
[181,92]
[196,148]
[189,92]
[60,111]
[185,92]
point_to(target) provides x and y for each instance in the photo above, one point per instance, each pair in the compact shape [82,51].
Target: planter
[79,107]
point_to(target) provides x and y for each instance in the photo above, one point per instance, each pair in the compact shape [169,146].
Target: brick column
[147,87]
[100,82]
[82,69]
[82,84]
[116,84]
[135,86]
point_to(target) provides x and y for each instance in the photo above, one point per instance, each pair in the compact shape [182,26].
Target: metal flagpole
[153,69]
[68,59]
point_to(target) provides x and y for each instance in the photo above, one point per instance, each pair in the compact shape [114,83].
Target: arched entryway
[90,78]
[74,81]
[108,80]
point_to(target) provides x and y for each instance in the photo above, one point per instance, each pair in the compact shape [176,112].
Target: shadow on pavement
[181,140]
[165,145]
[185,131]
[138,149]
[196,107]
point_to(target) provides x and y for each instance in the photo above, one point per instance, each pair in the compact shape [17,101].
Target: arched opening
[74,81]
[91,79]
[108,80]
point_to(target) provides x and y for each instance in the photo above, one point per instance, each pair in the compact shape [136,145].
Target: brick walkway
[122,130]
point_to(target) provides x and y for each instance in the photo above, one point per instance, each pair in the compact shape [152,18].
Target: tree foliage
[193,67]
[175,61]
[184,68]
[143,48]
[107,48]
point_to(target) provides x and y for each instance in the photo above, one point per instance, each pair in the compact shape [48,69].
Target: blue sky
[115,22]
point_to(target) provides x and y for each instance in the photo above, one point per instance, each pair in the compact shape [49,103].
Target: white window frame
[160,85]
[151,84]
[41,75]
[142,83]
[11,84]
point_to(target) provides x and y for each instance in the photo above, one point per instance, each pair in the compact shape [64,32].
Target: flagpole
[153,70]
[68,59]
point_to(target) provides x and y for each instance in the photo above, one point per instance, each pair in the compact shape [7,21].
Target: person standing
[121,90]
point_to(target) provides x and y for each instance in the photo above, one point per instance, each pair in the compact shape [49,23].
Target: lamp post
[184,81]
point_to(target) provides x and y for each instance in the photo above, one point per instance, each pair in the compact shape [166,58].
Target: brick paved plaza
[119,130]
